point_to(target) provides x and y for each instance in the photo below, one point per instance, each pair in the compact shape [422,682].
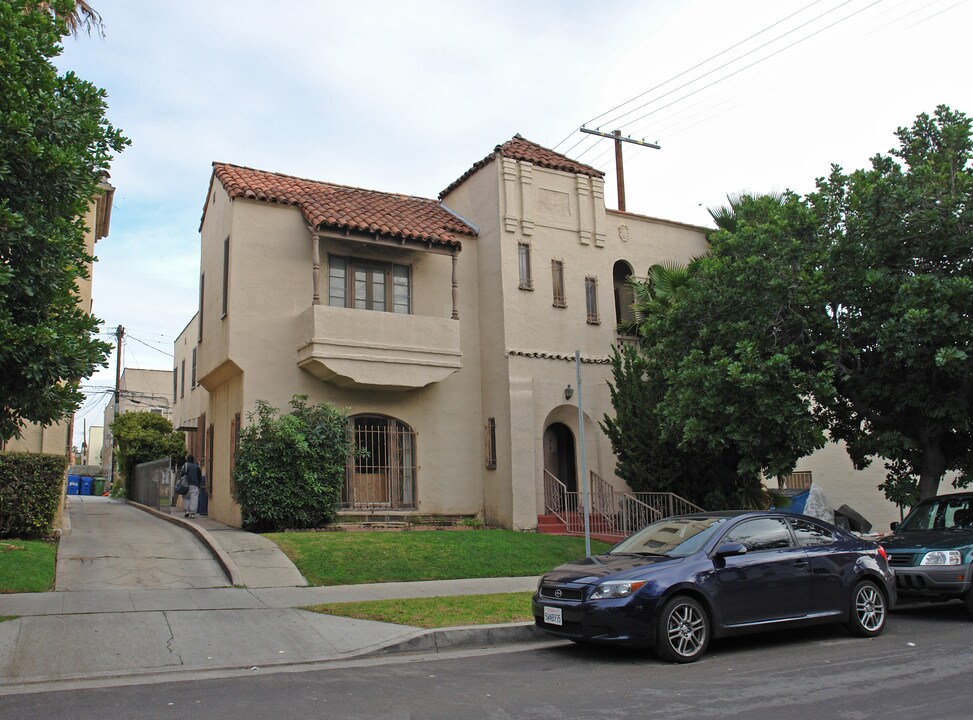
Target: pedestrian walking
[193,475]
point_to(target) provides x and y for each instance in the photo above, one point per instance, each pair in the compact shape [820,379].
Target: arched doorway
[382,471]
[559,455]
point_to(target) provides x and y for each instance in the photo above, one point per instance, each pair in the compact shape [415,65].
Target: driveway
[114,546]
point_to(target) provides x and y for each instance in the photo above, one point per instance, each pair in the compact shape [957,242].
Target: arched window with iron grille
[381,472]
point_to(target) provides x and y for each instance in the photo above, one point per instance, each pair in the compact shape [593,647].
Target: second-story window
[226,275]
[193,383]
[523,260]
[557,271]
[591,299]
[368,285]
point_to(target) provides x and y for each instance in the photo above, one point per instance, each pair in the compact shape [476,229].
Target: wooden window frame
[557,276]
[226,276]
[490,456]
[202,298]
[591,300]
[348,266]
[523,266]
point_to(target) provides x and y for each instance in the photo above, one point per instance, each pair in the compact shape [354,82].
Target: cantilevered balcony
[366,348]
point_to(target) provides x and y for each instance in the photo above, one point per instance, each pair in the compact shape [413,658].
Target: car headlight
[616,589]
[942,557]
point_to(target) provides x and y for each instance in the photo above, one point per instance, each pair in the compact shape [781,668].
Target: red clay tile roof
[347,208]
[518,148]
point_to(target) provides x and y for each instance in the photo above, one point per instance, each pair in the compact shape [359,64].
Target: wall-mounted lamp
[568,392]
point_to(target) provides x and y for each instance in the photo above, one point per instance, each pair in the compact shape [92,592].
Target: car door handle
[800,563]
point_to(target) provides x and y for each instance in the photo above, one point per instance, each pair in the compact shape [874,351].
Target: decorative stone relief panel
[554,202]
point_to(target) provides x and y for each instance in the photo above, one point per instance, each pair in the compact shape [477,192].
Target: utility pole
[119,336]
[619,169]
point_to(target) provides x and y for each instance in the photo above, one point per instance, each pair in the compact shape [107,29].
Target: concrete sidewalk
[118,634]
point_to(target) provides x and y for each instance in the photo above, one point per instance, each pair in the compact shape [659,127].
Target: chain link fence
[153,484]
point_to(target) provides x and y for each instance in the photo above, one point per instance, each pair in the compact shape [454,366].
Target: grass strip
[437,612]
[27,565]
[348,558]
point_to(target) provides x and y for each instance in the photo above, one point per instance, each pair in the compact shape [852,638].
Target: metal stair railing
[612,513]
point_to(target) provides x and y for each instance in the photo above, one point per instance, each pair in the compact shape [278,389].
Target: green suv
[931,551]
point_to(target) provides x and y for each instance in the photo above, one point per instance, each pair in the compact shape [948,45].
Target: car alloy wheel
[868,610]
[683,633]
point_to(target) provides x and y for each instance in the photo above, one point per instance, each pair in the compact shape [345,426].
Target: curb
[219,554]
[455,638]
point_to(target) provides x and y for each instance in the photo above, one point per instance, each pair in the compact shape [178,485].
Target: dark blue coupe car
[681,581]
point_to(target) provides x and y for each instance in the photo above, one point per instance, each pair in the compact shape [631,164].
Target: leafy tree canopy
[144,437]
[55,145]
[849,312]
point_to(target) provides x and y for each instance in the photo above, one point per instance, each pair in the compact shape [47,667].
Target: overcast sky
[405,96]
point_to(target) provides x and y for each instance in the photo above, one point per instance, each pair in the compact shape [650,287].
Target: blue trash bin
[86,485]
[74,484]
[203,507]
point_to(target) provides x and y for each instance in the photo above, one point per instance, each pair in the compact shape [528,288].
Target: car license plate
[552,616]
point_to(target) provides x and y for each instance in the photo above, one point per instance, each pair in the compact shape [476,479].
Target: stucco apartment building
[447,328]
[56,439]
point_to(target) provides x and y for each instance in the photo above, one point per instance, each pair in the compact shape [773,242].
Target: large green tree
[145,437]
[849,312]
[898,282]
[55,145]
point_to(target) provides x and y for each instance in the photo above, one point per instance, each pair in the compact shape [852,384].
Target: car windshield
[673,537]
[940,514]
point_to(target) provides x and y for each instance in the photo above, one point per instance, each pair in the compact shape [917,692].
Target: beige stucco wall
[832,472]
[252,353]
[562,217]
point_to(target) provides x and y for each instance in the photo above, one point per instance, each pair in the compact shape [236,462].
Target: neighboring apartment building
[138,391]
[91,452]
[56,439]
[447,329]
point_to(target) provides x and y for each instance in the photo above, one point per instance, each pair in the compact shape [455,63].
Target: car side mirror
[893,526]
[730,549]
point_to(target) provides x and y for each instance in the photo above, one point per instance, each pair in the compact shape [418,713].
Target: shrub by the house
[290,468]
[30,488]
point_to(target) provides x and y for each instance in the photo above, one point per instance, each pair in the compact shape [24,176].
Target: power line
[684,72]
[726,64]
[756,62]
[151,347]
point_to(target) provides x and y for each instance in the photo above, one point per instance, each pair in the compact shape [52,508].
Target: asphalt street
[920,667]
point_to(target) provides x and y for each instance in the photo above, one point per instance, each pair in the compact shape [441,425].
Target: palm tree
[82,18]
[655,293]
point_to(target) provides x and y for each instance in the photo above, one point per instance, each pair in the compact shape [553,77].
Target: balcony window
[367,285]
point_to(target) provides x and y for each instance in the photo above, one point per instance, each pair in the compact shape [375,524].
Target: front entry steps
[551,524]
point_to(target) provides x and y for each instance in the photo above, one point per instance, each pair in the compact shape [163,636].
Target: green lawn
[436,612]
[27,565]
[348,558]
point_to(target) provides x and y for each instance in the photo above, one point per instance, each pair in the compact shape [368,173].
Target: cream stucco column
[316,264]
[455,287]
[524,470]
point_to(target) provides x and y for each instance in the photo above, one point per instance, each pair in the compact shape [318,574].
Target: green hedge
[30,489]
